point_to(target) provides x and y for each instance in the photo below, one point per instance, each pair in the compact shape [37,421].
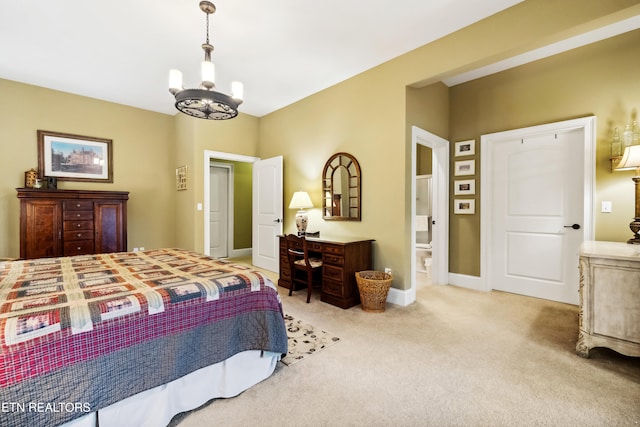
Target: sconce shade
[630,158]
[300,200]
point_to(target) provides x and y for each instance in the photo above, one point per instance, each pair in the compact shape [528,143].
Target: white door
[218,211]
[267,213]
[537,207]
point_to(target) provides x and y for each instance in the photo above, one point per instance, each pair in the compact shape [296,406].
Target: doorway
[221,210]
[537,198]
[439,273]
[210,202]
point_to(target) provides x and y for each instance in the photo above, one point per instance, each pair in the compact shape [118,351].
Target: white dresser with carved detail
[609,297]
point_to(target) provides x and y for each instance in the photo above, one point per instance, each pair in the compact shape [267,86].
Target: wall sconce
[631,160]
[301,201]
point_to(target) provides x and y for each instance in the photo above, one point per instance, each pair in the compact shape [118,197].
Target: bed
[99,339]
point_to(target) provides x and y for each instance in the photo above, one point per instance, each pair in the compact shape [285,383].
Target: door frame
[209,157]
[440,208]
[588,127]
[230,201]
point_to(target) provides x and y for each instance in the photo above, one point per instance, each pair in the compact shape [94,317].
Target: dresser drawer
[79,247]
[334,249]
[332,272]
[77,215]
[78,205]
[77,225]
[78,235]
[332,288]
[332,259]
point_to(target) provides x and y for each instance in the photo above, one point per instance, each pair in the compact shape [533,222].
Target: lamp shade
[300,200]
[630,158]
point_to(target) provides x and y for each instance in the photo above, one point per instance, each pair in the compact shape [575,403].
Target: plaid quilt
[80,333]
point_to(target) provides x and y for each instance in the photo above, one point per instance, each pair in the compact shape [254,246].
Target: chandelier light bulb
[175,81]
[237,91]
[208,74]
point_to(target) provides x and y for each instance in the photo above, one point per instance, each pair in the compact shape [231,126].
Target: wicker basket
[374,287]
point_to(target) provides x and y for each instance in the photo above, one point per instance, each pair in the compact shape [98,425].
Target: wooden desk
[341,259]
[609,298]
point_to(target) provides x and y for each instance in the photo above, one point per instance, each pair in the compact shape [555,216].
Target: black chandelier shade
[206,104]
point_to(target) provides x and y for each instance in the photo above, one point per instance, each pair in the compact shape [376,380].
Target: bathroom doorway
[439,221]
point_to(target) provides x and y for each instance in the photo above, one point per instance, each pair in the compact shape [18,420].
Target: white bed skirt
[157,406]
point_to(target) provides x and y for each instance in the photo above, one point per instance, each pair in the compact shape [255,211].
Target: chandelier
[206,102]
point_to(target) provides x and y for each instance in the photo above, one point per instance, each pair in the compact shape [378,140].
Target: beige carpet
[454,358]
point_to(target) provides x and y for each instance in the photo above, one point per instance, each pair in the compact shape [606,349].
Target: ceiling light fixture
[205,102]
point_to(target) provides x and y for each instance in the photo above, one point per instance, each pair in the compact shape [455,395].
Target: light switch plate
[606,206]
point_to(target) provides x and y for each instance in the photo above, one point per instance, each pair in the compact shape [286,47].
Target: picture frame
[181,178]
[465,167]
[464,206]
[465,148]
[466,187]
[69,157]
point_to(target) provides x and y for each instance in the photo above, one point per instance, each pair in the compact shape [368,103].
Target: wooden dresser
[57,223]
[609,298]
[341,259]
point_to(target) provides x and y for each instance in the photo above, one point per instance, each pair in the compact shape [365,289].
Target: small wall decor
[181,178]
[465,187]
[465,167]
[465,148]
[70,157]
[464,206]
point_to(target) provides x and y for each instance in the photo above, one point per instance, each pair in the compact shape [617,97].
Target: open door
[267,213]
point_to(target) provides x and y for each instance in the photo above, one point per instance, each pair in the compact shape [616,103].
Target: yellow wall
[599,79]
[143,151]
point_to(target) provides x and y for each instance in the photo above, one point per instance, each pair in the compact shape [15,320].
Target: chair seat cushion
[315,262]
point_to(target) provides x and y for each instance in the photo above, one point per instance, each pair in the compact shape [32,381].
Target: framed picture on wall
[465,167]
[465,187]
[465,148]
[464,206]
[70,157]
[181,178]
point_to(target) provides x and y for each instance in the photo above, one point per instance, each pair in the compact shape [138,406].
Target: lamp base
[635,228]
[301,222]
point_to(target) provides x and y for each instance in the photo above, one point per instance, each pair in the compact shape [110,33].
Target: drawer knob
[79,234]
[78,205]
[78,225]
[78,215]
[78,247]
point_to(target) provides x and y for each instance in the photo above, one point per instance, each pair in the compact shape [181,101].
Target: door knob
[277,220]
[574,226]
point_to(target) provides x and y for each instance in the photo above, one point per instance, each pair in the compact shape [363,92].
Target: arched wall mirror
[341,188]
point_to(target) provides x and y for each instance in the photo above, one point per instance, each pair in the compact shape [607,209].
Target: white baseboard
[401,297]
[464,281]
[239,253]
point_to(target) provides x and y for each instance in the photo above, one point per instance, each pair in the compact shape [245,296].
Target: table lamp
[631,160]
[301,201]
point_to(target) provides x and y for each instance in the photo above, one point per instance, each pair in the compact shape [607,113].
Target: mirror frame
[352,167]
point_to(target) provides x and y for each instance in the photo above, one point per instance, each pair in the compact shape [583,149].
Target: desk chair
[300,262]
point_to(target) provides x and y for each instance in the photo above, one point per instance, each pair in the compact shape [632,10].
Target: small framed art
[465,167]
[464,206]
[465,148]
[466,187]
[181,178]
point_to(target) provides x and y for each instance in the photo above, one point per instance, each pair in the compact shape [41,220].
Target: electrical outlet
[388,270]
[135,249]
[142,248]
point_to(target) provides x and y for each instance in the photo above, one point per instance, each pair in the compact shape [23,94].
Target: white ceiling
[282,50]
